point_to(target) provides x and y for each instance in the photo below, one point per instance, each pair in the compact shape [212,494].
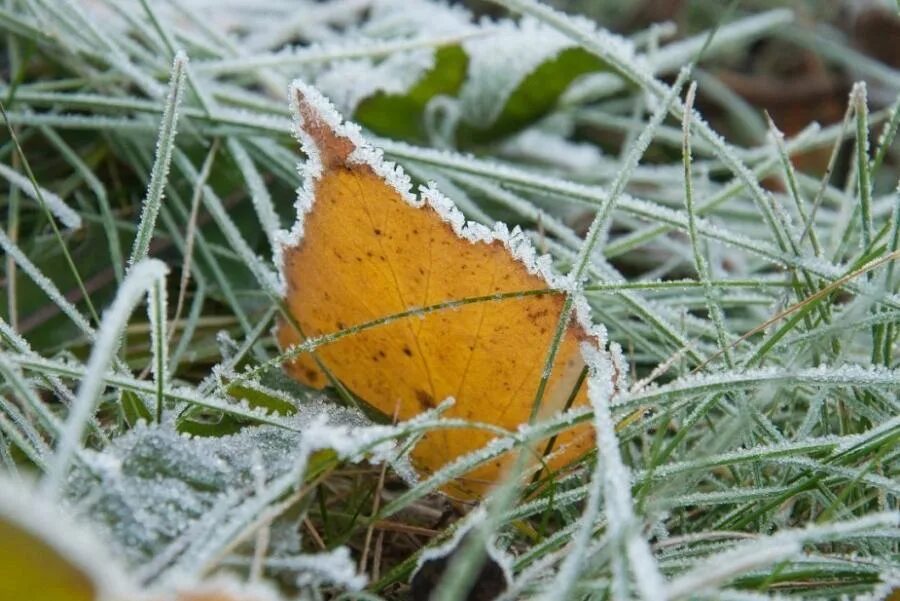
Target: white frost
[335,566]
[473,520]
[54,203]
[624,527]
[399,18]
[500,61]
[555,150]
[350,82]
[142,276]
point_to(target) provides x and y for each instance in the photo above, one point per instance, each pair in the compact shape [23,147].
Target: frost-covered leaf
[516,73]
[156,483]
[253,395]
[260,397]
[389,94]
[500,80]
[401,115]
[350,82]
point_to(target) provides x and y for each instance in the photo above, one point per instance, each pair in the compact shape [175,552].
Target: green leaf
[535,96]
[133,409]
[261,399]
[402,115]
[223,426]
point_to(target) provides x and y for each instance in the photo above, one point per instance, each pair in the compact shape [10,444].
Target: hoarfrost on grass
[475,519]
[46,285]
[623,524]
[555,150]
[404,18]
[140,279]
[160,171]
[644,313]
[56,205]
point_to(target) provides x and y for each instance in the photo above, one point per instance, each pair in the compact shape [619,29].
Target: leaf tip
[321,129]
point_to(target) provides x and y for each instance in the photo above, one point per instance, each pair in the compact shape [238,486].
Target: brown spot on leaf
[535,315]
[426,401]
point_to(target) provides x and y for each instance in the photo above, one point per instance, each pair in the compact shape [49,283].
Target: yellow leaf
[44,557]
[32,569]
[365,248]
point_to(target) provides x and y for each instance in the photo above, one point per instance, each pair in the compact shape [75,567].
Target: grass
[753,292]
